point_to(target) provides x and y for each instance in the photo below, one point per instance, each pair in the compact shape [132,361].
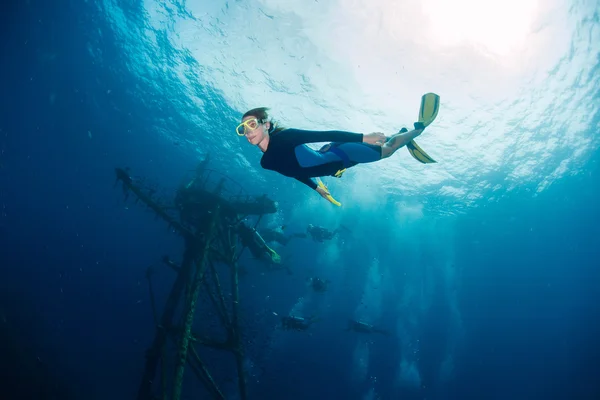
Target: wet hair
[262,116]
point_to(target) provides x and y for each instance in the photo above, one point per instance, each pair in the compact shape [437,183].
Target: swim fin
[276,258]
[329,197]
[430,105]
[418,153]
[340,173]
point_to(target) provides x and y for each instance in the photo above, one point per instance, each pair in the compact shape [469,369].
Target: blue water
[483,267]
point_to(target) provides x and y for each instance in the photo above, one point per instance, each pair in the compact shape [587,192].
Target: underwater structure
[202,310]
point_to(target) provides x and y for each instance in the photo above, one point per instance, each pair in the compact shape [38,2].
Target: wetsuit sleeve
[298,136]
[309,182]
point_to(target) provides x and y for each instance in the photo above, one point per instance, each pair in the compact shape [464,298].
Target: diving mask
[249,124]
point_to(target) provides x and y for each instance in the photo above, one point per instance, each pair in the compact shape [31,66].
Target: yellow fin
[418,153]
[329,197]
[430,105]
[340,173]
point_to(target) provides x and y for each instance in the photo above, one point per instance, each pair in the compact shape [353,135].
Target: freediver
[285,150]
[363,327]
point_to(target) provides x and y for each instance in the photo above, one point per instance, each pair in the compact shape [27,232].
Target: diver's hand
[323,192]
[376,138]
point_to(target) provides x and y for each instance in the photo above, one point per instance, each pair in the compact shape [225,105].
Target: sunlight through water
[517,81]
[497,26]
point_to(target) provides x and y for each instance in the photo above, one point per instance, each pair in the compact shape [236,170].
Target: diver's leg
[397,141]
[357,153]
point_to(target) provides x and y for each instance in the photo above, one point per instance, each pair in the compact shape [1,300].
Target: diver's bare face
[257,135]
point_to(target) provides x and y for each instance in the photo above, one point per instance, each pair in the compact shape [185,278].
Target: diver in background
[256,244]
[320,234]
[277,235]
[318,285]
[363,327]
[292,323]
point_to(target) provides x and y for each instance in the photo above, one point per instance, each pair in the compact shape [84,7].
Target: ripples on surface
[517,81]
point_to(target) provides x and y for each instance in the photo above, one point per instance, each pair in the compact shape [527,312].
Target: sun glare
[498,26]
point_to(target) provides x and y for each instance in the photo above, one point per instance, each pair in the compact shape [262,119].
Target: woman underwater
[285,150]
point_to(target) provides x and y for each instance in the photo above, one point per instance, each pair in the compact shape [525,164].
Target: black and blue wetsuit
[288,154]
